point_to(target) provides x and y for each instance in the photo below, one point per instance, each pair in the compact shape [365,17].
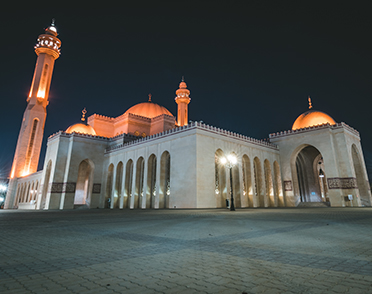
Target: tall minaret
[26,157]
[182,100]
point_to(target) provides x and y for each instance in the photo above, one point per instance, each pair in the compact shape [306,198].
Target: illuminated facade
[147,158]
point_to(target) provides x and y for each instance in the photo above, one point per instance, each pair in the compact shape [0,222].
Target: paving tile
[187,251]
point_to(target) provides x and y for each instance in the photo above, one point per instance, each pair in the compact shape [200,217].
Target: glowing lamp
[2,188]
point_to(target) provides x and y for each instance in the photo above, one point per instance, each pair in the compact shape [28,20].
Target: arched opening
[138,193]
[128,183]
[236,184]
[118,194]
[247,183]
[278,184]
[108,195]
[220,179]
[84,183]
[164,191]
[31,193]
[312,184]
[258,182]
[270,198]
[151,182]
[36,192]
[361,179]
[27,192]
[46,185]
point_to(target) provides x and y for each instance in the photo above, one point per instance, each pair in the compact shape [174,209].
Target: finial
[182,79]
[53,21]
[310,106]
[149,97]
[84,111]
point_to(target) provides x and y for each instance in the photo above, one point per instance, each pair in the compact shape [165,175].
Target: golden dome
[312,118]
[82,129]
[148,109]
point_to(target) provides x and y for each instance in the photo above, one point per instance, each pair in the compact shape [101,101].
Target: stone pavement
[308,250]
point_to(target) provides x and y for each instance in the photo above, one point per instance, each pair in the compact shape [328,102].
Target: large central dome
[148,109]
[312,118]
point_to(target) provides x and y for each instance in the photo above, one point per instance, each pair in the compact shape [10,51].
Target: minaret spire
[26,157]
[310,105]
[182,100]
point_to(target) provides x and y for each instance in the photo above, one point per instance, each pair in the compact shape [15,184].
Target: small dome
[82,129]
[312,118]
[148,109]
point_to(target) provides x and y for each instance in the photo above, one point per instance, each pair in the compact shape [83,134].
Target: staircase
[81,206]
[313,204]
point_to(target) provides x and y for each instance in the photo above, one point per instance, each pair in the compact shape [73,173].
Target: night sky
[250,65]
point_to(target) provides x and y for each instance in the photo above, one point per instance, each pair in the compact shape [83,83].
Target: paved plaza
[307,250]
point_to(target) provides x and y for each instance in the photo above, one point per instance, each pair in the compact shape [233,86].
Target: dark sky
[250,65]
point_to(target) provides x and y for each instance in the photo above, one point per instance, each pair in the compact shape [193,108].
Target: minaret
[26,157]
[182,100]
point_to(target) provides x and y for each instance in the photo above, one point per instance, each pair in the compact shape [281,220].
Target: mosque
[147,158]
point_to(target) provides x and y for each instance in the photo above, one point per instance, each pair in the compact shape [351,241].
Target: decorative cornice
[313,128]
[194,125]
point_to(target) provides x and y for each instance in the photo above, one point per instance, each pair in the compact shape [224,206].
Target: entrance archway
[311,177]
[84,183]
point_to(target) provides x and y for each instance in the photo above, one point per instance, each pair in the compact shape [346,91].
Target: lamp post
[229,161]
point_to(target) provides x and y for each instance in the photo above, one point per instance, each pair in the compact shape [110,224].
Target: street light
[229,161]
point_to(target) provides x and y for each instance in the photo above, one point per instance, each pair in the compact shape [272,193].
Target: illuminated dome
[148,109]
[312,118]
[82,129]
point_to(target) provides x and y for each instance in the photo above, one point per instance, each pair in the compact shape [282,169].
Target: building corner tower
[26,157]
[182,101]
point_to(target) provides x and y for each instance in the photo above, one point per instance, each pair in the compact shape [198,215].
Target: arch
[151,181]
[247,180]
[164,187]
[128,183]
[110,175]
[45,187]
[258,181]
[118,193]
[270,198]
[361,179]
[36,191]
[19,188]
[31,193]
[84,183]
[308,185]
[220,180]
[138,193]
[236,184]
[278,188]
